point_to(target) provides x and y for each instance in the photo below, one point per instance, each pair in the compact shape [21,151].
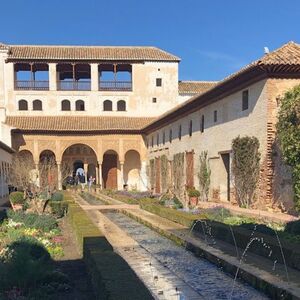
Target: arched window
[107,105]
[37,105]
[79,105]
[65,105]
[121,105]
[23,105]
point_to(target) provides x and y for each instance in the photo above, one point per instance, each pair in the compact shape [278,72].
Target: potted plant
[98,188]
[193,196]
[17,200]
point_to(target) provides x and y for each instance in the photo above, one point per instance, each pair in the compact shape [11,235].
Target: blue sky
[213,38]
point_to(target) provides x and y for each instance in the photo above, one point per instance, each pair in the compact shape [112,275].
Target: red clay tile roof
[89,53]
[284,59]
[195,87]
[77,123]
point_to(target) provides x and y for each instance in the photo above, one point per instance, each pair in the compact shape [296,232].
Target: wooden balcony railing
[32,85]
[74,85]
[115,85]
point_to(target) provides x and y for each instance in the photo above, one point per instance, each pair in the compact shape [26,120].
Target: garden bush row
[111,276]
[171,214]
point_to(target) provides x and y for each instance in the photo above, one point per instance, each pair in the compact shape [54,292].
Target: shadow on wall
[132,168]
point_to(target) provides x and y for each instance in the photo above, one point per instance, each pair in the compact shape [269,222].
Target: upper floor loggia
[73,76]
[78,68]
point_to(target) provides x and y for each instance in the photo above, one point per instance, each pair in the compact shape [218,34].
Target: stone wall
[258,120]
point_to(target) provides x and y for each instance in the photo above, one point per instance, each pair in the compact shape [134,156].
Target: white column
[121,175]
[100,174]
[85,165]
[52,77]
[59,183]
[97,174]
[94,77]
[143,177]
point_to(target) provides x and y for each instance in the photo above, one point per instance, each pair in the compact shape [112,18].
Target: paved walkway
[162,283]
[110,207]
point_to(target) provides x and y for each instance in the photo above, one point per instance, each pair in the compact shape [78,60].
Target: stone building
[110,110]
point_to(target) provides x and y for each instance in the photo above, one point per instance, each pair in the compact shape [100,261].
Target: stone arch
[48,170]
[132,169]
[68,144]
[83,153]
[110,169]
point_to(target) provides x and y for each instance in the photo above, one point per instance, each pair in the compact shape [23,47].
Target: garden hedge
[111,276]
[242,236]
[177,216]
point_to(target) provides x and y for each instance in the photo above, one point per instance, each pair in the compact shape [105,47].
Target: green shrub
[17,197]
[3,215]
[293,227]
[192,192]
[217,213]
[57,196]
[289,136]
[32,220]
[59,208]
[245,168]
[171,214]
[24,264]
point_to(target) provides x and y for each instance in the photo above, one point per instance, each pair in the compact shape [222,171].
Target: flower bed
[28,244]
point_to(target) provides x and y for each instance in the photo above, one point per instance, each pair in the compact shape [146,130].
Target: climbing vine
[152,173]
[164,172]
[204,175]
[178,174]
[288,129]
[245,168]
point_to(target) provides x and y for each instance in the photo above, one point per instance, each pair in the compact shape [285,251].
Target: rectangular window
[245,104]
[157,139]
[179,133]
[191,128]
[164,138]
[152,141]
[170,136]
[158,82]
[202,124]
[215,116]
[154,100]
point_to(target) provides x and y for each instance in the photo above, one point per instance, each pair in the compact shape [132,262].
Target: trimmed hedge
[171,214]
[17,197]
[242,234]
[111,276]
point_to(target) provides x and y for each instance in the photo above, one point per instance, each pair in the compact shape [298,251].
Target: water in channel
[204,277]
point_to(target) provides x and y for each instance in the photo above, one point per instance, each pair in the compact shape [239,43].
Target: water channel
[204,277]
